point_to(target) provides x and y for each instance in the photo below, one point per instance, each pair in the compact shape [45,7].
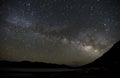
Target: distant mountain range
[108,66]
[27,64]
[109,59]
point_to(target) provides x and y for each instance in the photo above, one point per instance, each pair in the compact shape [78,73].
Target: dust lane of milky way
[71,32]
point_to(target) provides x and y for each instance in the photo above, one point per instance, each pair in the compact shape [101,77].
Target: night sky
[71,32]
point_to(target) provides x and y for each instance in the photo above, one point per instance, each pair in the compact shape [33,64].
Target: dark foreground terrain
[107,66]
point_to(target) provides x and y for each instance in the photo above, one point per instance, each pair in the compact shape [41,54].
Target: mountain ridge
[109,59]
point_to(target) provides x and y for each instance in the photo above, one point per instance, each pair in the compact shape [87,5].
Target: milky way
[71,32]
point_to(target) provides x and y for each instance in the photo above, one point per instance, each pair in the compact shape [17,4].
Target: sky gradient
[71,32]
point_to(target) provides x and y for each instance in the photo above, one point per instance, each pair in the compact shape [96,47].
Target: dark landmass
[109,59]
[27,64]
[106,66]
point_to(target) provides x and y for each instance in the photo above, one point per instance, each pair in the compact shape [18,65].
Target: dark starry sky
[72,32]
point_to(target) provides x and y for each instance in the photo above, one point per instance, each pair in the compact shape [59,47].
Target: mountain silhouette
[109,59]
[106,66]
[27,64]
